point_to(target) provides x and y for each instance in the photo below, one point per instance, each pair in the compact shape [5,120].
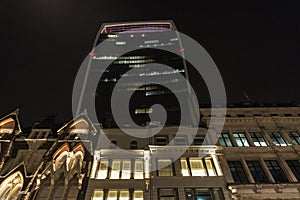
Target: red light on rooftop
[92,54]
[181,50]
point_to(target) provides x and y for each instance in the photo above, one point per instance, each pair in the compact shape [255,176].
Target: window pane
[94,168]
[241,139]
[295,137]
[112,195]
[139,169]
[102,172]
[98,195]
[210,167]
[276,171]
[167,194]
[165,168]
[138,195]
[224,140]
[257,172]
[124,195]
[295,167]
[258,139]
[184,167]
[203,194]
[115,171]
[237,172]
[126,169]
[277,139]
[197,167]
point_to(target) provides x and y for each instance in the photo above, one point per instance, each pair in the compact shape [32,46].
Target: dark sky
[43,42]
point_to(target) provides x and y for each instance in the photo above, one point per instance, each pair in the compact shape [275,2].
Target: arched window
[7,125]
[76,158]
[133,144]
[11,186]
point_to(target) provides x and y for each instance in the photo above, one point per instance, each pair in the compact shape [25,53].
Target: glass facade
[145,38]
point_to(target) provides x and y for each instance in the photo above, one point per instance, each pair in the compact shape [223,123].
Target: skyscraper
[146,38]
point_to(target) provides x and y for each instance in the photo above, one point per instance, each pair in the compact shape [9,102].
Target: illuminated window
[277,139]
[11,186]
[115,169]
[126,169]
[112,195]
[224,140]
[165,167]
[98,195]
[258,139]
[143,111]
[138,195]
[102,171]
[197,167]
[139,169]
[94,168]
[241,139]
[294,135]
[124,195]
[210,167]
[184,167]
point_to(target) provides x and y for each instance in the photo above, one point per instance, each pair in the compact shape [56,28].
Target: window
[197,167]
[277,139]
[224,140]
[126,169]
[241,139]
[133,144]
[167,194]
[115,194]
[98,195]
[138,195]
[295,167]
[237,172]
[102,170]
[257,172]
[258,139]
[184,167]
[139,169]
[178,140]
[120,169]
[203,194]
[294,135]
[198,140]
[276,171]
[161,140]
[165,167]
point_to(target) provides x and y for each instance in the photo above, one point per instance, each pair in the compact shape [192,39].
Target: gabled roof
[11,121]
[80,123]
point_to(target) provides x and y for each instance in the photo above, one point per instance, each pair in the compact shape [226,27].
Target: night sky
[255,46]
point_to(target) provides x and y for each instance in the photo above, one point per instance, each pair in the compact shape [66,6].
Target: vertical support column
[265,168]
[217,164]
[147,159]
[247,171]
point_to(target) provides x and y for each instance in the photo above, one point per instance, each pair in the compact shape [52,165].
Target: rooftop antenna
[246,96]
